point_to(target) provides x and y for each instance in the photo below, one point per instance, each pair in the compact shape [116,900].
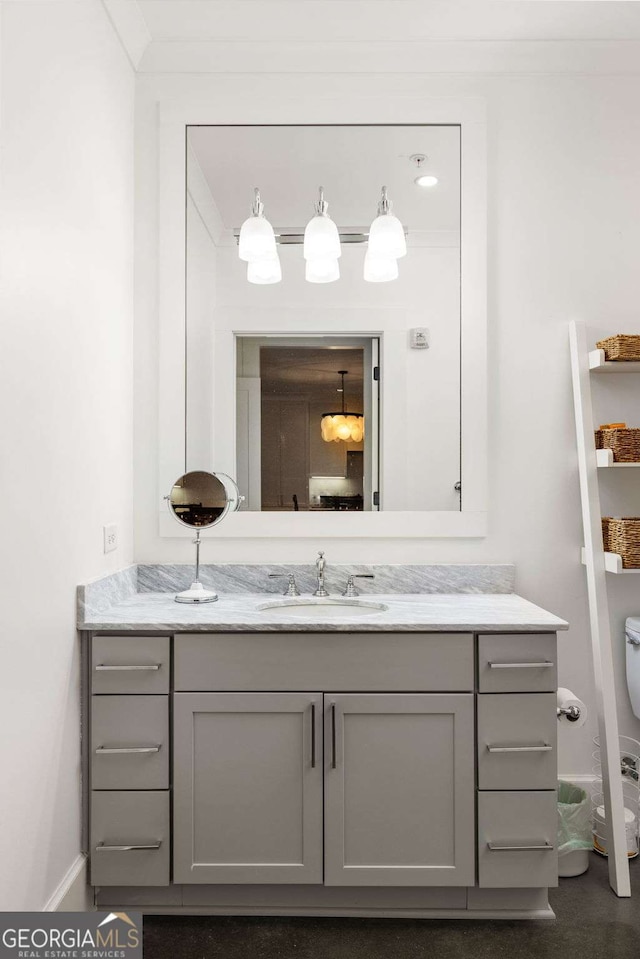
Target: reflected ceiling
[288,164]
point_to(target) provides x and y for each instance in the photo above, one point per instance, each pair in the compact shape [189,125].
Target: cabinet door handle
[544,665]
[102,667]
[333,735]
[543,748]
[104,847]
[540,847]
[112,750]
[313,735]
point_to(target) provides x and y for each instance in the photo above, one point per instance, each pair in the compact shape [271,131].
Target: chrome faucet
[292,587]
[320,564]
[350,589]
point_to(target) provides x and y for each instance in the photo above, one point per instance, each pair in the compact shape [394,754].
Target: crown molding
[130,26]
[513,57]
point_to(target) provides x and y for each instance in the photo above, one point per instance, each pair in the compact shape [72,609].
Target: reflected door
[285,453]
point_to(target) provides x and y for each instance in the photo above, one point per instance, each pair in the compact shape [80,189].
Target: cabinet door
[248,787]
[399,790]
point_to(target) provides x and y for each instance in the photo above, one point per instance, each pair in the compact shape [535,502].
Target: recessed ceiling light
[426,180]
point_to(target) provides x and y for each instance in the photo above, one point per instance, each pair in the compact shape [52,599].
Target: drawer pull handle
[103,668]
[538,847]
[543,748]
[545,665]
[112,750]
[103,847]
[313,735]
[333,735]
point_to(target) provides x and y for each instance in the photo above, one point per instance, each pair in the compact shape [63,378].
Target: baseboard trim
[73,894]
[351,913]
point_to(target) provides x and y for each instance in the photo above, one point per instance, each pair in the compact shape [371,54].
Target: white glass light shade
[264,271]
[321,239]
[342,427]
[321,271]
[378,269]
[386,237]
[257,240]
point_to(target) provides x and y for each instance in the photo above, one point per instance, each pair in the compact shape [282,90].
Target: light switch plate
[110,537]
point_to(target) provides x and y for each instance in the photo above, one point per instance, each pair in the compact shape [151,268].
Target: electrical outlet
[110,537]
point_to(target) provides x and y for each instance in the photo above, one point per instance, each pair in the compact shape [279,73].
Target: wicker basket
[606,533]
[625,444]
[624,538]
[620,348]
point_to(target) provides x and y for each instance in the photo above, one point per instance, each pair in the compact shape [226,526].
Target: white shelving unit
[612,563]
[598,563]
[598,364]
[604,460]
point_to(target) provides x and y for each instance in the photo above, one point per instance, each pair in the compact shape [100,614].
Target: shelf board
[604,460]
[612,563]
[598,364]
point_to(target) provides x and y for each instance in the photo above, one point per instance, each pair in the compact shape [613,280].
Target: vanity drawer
[517,662]
[129,742]
[344,662]
[130,664]
[130,841]
[517,839]
[517,736]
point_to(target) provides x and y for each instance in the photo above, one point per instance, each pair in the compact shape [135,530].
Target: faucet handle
[292,588]
[350,588]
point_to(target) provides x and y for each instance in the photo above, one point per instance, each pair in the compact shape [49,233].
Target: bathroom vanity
[246,760]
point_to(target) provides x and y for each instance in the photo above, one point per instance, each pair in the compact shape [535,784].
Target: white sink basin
[316,607]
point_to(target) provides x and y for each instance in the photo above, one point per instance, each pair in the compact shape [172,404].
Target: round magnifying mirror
[201,500]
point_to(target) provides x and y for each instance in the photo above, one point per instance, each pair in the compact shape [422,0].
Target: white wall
[564,236]
[66,256]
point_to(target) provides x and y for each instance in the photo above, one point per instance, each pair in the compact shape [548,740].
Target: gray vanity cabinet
[379,773]
[399,790]
[248,787]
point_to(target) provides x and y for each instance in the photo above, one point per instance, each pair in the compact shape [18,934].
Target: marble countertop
[234,612]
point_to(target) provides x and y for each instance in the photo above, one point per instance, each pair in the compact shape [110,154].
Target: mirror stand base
[197,594]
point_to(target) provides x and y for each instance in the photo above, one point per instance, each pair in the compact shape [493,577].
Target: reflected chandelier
[343,426]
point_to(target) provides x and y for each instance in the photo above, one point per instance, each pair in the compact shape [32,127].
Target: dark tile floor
[591,923]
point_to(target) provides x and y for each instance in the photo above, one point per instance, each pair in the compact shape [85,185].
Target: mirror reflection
[351,245]
[307,431]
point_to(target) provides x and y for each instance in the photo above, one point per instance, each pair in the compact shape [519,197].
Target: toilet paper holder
[571,712]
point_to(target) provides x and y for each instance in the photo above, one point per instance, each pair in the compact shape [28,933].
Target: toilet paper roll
[566,698]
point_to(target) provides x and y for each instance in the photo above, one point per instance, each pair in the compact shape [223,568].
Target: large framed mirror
[342,407]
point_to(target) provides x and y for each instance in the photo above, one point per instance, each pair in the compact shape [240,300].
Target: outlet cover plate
[110,537]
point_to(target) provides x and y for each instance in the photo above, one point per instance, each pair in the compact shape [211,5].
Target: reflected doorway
[307,423]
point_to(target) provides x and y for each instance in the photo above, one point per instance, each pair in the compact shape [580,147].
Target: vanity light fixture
[343,426]
[257,239]
[263,272]
[321,271]
[386,234]
[379,269]
[321,237]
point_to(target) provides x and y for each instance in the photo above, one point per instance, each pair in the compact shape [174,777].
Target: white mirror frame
[174,116]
